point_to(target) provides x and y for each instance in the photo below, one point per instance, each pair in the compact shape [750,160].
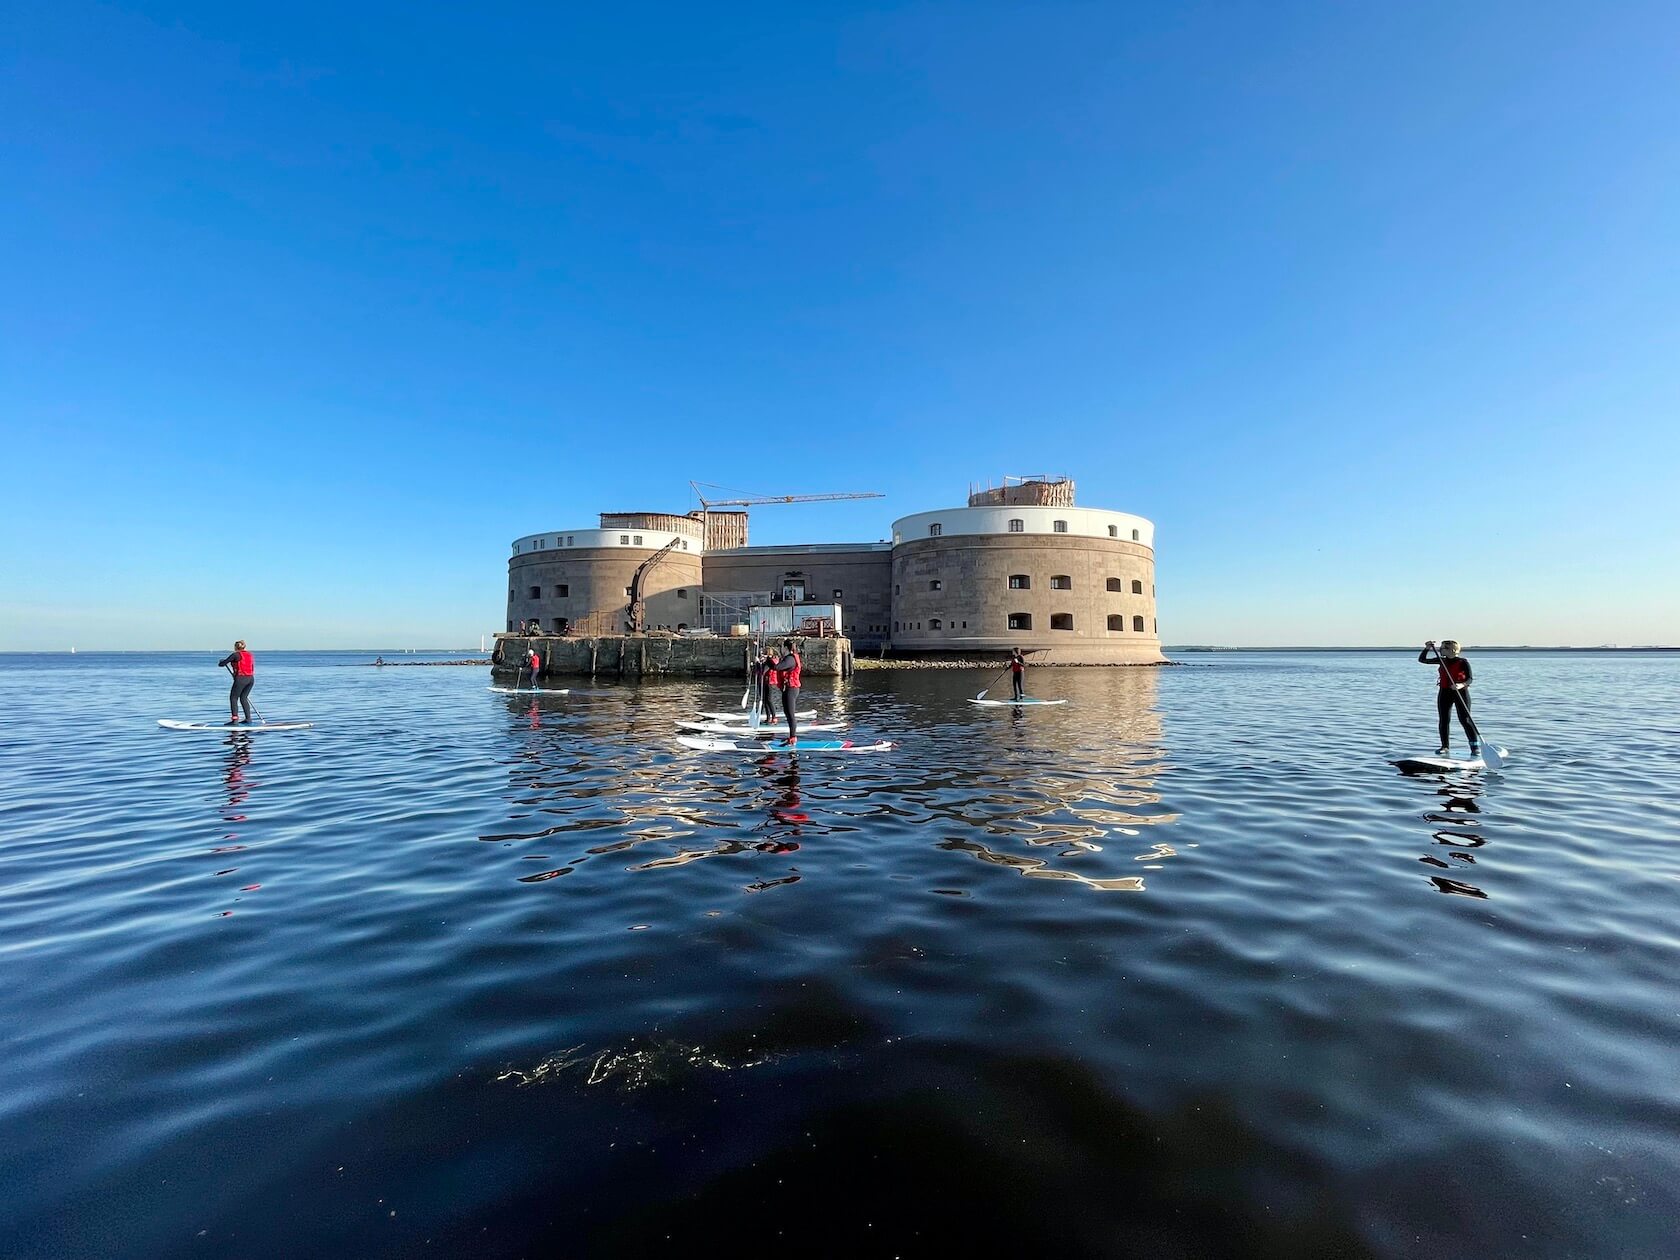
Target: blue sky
[309,311]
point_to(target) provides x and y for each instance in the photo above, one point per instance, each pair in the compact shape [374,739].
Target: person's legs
[1019,684]
[233,701]
[1461,701]
[242,689]
[790,707]
[1443,713]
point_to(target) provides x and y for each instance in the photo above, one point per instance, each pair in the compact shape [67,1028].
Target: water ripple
[498,975]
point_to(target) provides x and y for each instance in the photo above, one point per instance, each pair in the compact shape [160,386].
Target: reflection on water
[1460,796]
[891,989]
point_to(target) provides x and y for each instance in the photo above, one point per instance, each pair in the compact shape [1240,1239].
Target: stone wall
[644,656]
[970,607]
[862,574]
[594,580]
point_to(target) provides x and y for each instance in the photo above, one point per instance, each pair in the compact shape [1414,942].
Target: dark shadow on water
[912,1150]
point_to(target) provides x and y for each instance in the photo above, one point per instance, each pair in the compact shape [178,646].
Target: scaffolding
[723,609]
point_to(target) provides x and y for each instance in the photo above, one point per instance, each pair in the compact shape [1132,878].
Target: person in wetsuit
[244,668]
[1453,693]
[1017,674]
[787,674]
[765,671]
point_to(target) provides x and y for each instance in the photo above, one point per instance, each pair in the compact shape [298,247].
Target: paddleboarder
[243,666]
[787,674]
[767,682]
[1017,674]
[1453,692]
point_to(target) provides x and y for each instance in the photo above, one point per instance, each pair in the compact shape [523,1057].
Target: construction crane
[638,585]
[752,500]
[755,500]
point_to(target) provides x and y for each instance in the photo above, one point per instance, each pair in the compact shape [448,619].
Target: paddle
[1491,757]
[1006,670]
[755,711]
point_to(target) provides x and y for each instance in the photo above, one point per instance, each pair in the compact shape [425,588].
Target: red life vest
[771,676]
[535,662]
[245,665]
[790,678]
[1457,668]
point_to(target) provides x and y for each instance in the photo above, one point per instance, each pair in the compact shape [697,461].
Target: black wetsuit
[788,669]
[239,695]
[766,693]
[1449,697]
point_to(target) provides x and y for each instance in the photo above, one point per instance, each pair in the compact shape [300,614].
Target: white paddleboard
[702,743]
[739,718]
[1442,765]
[1010,704]
[169,724]
[739,729]
[531,691]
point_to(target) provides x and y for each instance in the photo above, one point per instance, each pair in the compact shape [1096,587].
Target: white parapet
[577,539]
[1074,522]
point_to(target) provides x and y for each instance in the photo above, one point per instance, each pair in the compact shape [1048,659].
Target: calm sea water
[1183,968]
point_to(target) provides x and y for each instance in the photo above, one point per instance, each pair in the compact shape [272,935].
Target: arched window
[1061,621]
[934,584]
[1114,531]
[1020,621]
[1059,526]
[1137,587]
[935,530]
[1016,525]
[1061,582]
[1134,535]
[1115,584]
[935,624]
[1020,582]
[536,592]
[1137,624]
[562,591]
[1116,621]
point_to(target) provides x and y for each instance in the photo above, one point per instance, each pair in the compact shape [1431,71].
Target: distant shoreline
[1468,647]
[469,656]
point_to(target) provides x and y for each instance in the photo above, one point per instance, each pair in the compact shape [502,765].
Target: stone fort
[1020,566]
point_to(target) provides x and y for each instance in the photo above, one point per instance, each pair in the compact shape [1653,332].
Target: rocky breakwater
[654,656]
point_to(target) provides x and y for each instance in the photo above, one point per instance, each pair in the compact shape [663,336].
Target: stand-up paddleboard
[531,691]
[169,724]
[738,729]
[740,719]
[702,743]
[1010,704]
[1443,765]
